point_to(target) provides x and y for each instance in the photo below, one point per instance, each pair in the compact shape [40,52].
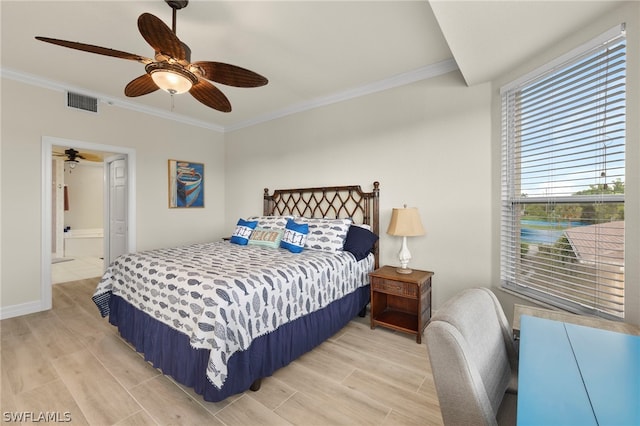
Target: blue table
[575,375]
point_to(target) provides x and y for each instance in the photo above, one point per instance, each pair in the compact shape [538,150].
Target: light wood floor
[70,363]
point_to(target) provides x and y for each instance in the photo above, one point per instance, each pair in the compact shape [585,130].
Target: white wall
[428,144]
[30,113]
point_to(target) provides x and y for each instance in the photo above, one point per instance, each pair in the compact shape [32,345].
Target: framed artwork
[186,184]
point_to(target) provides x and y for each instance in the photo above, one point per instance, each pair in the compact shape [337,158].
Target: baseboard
[21,309]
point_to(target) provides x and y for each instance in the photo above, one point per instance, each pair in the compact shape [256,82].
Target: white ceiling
[312,52]
[488,38]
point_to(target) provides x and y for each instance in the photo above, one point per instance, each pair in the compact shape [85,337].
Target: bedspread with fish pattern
[224,295]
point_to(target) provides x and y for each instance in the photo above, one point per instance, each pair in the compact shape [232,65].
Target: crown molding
[134,106]
[423,73]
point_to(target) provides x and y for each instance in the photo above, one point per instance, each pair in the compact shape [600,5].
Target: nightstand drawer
[394,287]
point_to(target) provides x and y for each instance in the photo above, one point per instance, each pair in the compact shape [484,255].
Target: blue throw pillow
[295,234]
[359,241]
[243,231]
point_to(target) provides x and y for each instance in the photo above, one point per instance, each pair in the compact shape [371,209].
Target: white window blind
[563,172]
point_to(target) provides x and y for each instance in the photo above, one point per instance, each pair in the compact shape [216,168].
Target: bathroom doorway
[77,233]
[53,235]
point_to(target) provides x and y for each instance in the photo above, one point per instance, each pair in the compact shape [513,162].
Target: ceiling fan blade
[95,49]
[90,157]
[230,75]
[160,37]
[210,95]
[140,86]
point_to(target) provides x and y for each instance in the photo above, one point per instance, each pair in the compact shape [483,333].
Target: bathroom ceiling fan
[171,69]
[72,155]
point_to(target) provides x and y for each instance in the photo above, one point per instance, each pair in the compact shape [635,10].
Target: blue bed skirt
[171,352]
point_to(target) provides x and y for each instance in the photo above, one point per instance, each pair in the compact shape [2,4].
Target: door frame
[48,142]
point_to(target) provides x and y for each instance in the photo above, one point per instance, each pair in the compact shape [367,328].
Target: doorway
[77,232]
[126,161]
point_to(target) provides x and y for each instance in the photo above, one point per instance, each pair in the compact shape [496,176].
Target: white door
[117,208]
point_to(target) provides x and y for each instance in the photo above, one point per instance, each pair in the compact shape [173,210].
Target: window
[563,173]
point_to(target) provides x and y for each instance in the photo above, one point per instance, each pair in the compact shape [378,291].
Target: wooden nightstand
[401,301]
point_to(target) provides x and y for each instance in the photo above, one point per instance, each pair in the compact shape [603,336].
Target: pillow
[295,234]
[271,222]
[326,234]
[266,237]
[359,242]
[362,225]
[244,228]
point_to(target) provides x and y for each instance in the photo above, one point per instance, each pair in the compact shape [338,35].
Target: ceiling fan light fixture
[171,78]
[171,82]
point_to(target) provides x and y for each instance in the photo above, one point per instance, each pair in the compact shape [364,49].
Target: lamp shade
[405,222]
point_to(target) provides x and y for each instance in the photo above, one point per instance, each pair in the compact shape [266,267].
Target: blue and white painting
[186,184]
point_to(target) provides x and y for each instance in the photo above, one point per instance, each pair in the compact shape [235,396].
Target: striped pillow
[243,231]
[295,235]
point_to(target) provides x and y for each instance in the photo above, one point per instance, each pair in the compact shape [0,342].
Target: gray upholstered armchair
[474,360]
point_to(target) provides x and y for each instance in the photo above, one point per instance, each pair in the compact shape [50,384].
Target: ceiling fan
[73,156]
[171,69]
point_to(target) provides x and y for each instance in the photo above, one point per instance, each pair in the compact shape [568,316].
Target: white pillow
[270,222]
[362,225]
[326,234]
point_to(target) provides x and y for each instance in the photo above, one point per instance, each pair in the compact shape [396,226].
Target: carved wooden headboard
[329,202]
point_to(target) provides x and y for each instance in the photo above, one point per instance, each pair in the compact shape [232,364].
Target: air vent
[83,102]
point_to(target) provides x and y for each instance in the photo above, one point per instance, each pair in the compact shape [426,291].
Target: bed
[220,316]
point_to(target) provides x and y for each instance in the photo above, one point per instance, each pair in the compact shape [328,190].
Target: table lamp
[405,222]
